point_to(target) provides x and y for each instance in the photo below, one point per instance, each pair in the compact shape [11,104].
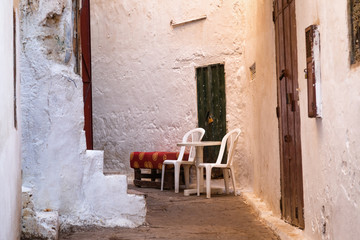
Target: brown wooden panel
[282,104]
[297,171]
[289,119]
[279,6]
[310,66]
[289,156]
[86,71]
[278,39]
[284,121]
[311,89]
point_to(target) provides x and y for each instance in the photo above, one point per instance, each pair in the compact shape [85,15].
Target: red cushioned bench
[153,162]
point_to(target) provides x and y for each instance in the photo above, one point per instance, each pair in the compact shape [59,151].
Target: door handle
[209,118]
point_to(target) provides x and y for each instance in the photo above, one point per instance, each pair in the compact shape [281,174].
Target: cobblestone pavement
[174,216]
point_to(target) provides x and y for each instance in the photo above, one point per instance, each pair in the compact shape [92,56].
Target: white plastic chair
[229,141]
[194,135]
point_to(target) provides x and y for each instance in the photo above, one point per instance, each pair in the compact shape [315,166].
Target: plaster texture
[10,163]
[331,156]
[144,83]
[263,136]
[37,225]
[145,100]
[63,176]
[330,151]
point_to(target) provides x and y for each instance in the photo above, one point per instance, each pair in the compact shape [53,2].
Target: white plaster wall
[144,74]
[10,167]
[331,156]
[330,152]
[62,175]
[264,135]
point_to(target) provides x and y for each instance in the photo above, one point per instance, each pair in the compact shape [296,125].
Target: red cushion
[153,160]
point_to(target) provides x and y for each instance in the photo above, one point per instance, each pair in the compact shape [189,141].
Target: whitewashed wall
[330,146]
[10,167]
[144,74]
[263,137]
[62,175]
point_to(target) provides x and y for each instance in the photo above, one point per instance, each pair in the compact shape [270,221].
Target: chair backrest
[194,135]
[229,141]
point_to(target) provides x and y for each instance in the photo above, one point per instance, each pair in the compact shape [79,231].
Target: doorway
[292,201]
[211,107]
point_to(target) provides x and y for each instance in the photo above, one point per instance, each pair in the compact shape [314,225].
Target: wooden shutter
[313,70]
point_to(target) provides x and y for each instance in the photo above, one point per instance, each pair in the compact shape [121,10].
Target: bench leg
[139,178]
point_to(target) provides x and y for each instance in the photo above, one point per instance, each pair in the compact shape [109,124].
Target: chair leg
[162,177]
[177,176]
[226,179]
[198,180]
[186,175]
[233,180]
[208,181]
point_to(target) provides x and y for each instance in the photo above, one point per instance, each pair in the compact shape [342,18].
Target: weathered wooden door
[86,70]
[292,203]
[211,106]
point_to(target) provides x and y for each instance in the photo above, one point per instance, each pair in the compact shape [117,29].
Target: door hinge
[293,107]
[273,12]
[302,212]
[282,75]
[273,16]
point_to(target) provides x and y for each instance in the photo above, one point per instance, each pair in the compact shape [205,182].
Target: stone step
[37,224]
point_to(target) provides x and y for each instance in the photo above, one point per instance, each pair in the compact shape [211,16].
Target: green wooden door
[211,106]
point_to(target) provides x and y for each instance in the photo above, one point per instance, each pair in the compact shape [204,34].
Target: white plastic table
[198,159]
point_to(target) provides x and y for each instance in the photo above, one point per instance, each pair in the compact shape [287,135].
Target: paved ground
[173,216]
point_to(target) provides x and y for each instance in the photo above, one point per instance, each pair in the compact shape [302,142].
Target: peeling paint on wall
[56,166]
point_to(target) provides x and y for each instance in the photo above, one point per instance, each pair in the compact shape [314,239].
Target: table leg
[199,158]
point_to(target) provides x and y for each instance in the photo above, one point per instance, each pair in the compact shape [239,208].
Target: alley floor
[174,216]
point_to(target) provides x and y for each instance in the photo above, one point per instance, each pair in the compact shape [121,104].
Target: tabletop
[200,144]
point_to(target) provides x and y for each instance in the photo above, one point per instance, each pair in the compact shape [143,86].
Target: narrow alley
[175,216]
[86,84]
